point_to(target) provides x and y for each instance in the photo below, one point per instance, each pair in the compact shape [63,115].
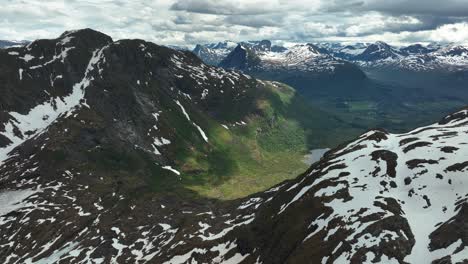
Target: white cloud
[450,33]
[376,22]
[182,22]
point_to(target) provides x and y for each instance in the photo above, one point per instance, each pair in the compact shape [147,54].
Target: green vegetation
[256,139]
[270,148]
[393,116]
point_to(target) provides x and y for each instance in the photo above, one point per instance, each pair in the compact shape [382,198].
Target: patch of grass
[254,157]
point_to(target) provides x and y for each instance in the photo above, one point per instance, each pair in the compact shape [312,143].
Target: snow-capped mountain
[265,57]
[377,52]
[346,52]
[301,66]
[214,53]
[382,198]
[415,57]
[416,49]
[10,43]
[378,55]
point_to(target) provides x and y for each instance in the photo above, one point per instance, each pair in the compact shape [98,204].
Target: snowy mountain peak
[381,44]
[214,53]
[378,51]
[415,49]
[224,45]
[12,43]
[453,50]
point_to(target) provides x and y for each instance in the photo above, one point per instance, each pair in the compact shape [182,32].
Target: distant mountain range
[9,43]
[386,80]
[416,57]
[214,53]
[302,66]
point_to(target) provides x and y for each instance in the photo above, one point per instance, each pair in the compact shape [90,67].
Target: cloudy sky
[187,22]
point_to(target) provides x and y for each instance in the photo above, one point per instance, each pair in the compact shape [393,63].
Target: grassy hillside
[268,147]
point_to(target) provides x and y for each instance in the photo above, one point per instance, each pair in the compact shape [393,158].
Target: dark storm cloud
[430,14]
[437,8]
[216,7]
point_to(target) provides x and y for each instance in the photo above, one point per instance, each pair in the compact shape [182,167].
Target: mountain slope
[213,54]
[378,51]
[389,198]
[161,110]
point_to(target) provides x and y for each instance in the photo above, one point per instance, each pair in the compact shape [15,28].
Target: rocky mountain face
[213,54]
[60,70]
[381,198]
[88,125]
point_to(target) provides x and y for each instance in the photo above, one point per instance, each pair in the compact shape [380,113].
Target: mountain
[346,52]
[390,87]
[306,67]
[422,67]
[213,54]
[234,135]
[262,46]
[414,58]
[85,157]
[9,43]
[434,57]
[415,49]
[378,92]
[299,58]
[176,47]
[372,200]
[378,51]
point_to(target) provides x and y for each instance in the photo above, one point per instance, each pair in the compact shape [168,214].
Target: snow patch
[171,169]
[41,116]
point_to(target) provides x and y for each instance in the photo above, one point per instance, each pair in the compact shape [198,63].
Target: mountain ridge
[414,57]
